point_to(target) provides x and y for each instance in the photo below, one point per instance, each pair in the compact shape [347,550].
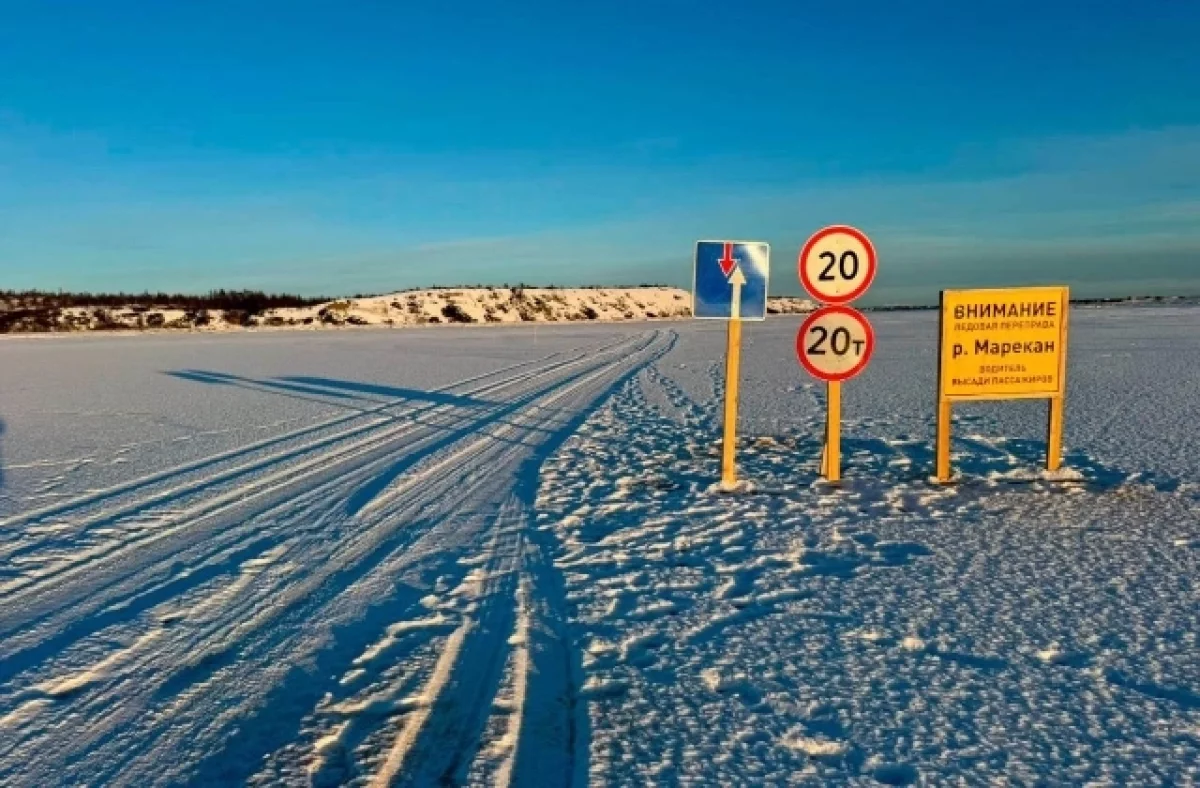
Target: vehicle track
[222,632]
[70,530]
[376,447]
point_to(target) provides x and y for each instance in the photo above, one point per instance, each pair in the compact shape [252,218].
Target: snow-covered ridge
[495,305]
[790,305]
[413,307]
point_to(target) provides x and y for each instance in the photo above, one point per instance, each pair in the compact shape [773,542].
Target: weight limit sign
[835,343]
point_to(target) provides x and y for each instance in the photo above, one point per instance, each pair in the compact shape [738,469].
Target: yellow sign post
[1002,344]
[834,344]
[836,266]
[730,283]
[733,359]
[831,457]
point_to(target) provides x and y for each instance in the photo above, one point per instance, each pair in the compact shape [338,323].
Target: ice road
[494,556]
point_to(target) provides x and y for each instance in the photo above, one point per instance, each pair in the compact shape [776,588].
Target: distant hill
[36,311]
[226,310]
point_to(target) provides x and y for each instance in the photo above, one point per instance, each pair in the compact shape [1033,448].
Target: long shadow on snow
[217,379]
[281,714]
[224,379]
[130,607]
[391,392]
[435,398]
[1182,696]
[324,387]
[369,491]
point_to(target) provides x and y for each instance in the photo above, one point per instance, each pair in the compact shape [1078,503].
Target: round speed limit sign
[837,265]
[835,343]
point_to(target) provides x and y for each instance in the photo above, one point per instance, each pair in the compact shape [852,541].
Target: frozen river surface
[495,556]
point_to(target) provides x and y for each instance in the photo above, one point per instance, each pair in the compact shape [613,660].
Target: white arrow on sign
[737,279]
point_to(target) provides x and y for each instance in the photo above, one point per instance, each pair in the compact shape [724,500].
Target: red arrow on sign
[728,263]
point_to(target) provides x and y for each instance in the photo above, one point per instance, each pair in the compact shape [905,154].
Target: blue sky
[339,147]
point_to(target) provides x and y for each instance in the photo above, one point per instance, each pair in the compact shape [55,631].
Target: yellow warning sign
[1003,344]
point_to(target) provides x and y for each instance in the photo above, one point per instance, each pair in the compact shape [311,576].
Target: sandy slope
[502,305]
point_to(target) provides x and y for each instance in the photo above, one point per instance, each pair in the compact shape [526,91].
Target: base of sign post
[733,348]
[1054,439]
[943,441]
[833,433]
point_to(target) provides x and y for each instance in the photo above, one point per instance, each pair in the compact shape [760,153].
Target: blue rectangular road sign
[715,280]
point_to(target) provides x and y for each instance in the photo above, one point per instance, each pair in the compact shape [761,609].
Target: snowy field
[494,556]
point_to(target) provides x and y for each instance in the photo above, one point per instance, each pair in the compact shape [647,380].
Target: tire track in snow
[203,659]
[373,430]
[77,502]
[94,600]
[241,635]
[24,589]
[420,754]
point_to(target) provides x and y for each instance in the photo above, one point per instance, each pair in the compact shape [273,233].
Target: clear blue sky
[335,147]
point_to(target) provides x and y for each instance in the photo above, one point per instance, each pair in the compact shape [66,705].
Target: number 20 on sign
[835,343]
[837,264]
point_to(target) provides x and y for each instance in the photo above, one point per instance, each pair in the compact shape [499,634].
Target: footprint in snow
[895,773]
[731,683]
[899,553]
[639,650]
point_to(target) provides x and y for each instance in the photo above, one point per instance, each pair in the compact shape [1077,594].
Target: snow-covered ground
[497,557]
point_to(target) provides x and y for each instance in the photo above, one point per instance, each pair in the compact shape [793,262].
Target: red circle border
[814,317]
[862,238]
